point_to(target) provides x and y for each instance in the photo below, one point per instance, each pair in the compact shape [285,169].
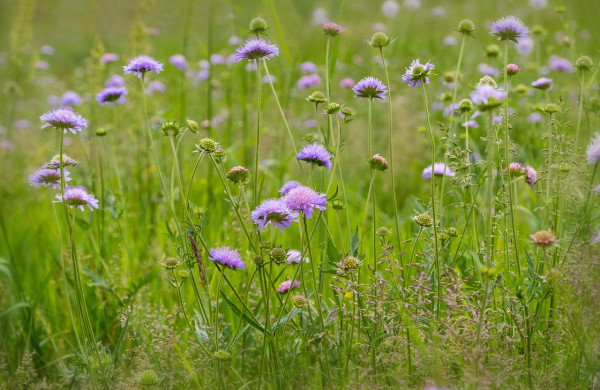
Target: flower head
[305,199]
[530,175]
[515,169]
[561,64]
[142,64]
[542,83]
[294,257]
[439,169]
[332,29]
[370,88]
[487,97]
[308,67]
[593,150]
[274,212]
[109,57]
[256,49]
[286,286]
[115,81]
[47,177]
[417,73]
[238,174]
[288,186]
[308,81]
[512,69]
[315,153]
[178,61]
[77,197]
[111,96]
[70,98]
[227,257]
[64,118]
[543,238]
[55,162]
[378,163]
[509,28]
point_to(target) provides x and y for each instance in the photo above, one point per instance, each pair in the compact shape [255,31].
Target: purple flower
[294,257]
[561,64]
[286,286]
[305,199]
[542,83]
[308,67]
[390,8]
[47,177]
[202,75]
[112,96]
[70,98]
[42,65]
[179,61]
[471,124]
[449,41]
[487,96]
[115,81]
[525,46]
[142,64]
[530,175]
[308,81]
[509,28]
[77,197]
[534,117]
[275,212]
[332,29]
[47,50]
[439,169]
[64,118]
[217,59]
[315,153]
[370,88]
[593,150]
[155,86]
[256,49]
[515,169]
[109,57]
[227,257]
[488,70]
[288,186]
[417,73]
[347,82]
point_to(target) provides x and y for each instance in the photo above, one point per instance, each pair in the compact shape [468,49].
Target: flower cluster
[417,73]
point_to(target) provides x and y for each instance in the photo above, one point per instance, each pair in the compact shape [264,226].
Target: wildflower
[288,186]
[348,264]
[332,29]
[47,50]
[47,177]
[54,163]
[308,81]
[218,59]
[337,205]
[142,64]
[170,128]
[115,81]
[439,169]
[77,197]
[466,26]
[222,355]
[379,40]
[101,132]
[465,106]
[525,46]
[258,26]
[347,113]
[347,82]
[543,238]
[512,69]
[538,4]
[179,61]
[208,145]
[112,96]
[390,8]
[584,63]
[449,41]
[315,153]
[534,117]
[171,263]
[305,199]
[148,378]
[278,255]
[492,51]
[487,97]
[286,286]
[299,301]
[487,80]
[317,97]
[70,98]
[423,220]
[64,118]
[383,231]
[109,57]
[370,87]
[256,49]
[452,231]
[542,83]
[294,257]
[551,108]
[488,70]
[514,169]
[530,175]
[155,86]
[238,174]
[378,163]
[227,257]
[308,67]
[417,73]
[275,212]
[332,108]
[560,64]
[509,28]
[593,150]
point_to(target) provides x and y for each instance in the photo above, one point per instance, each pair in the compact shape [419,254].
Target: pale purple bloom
[593,150]
[204,64]
[439,169]
[288,186]
[525,46]
[115,81]
[439,12]
[596,189]
[77,197]
[47,177]
[412,4]
[42,65]
[485,92]
[305,199]
[267,79]
[515,169]
[596,237]
[308,81]
[347,82]
[497,119]
[530,175]
[319,17]
[561,64]
[142,64]
[509,28]
[155,86]
[230,60]
[332,29]
[370,88]
[217,59]
[234,40]
[308,67]
[542,83]
[112,96]
[417,73]
[47,50]
[310,123]
[534,117]
[488,70]
[70,98]
[178,61]
[274,212]
[471,124]
[6,145]
[390,8]
[227,257]
[286,286]
[109,57]
[53,100]
[538,4]
[379,27]
[315,153]
[202,75]
[64,118]
[256,49]
[22,124]
[294,257]
[449,41]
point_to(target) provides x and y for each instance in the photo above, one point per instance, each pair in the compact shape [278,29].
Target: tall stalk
[258,108]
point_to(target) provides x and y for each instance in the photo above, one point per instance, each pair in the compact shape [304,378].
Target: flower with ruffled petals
[315,153]
[530,175]
[227,257]
[142,64]
[288,186]
[256,49]
[542,83]
[561,64]
[70,98]
[294,257]
[593,150]
[370,88]
[47,177]
[111,96]
[178,61]
[77,197]
[417,73]
[64,118]
[54,163]
[304,199]
[509,28]
[286,286]
[332,29]
[439,169]
[115,81]
[274,212]
[543,238]
[487,97]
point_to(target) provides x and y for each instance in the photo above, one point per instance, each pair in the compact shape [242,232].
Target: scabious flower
[347,82]
[305,199]
[370,88]
[64,118]
[142,64]
[542,83]
[509,28]
[512,69]
[109,57]
[308,81]
[390,8]
[256,49]
[54,163]
[488,70]
[47,50]
[593,150]
[315,153]
[515,169]
[530,175]
[560,64]
[294,257]
[525,46]
[178,61]
[77,197]
[112,96]
[274,212]
[417,73]
[332,29]
[47,177]
[155,86]
[227,257]
[487,97]
[438,169]
[70,98]
[286,286]
[217,59]
[288,186]
[115,81]
[308,67]
[543,238]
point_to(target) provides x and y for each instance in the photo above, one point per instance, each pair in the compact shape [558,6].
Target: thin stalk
[259,103]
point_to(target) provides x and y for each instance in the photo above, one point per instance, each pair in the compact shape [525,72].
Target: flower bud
[383,231]
[487,80]
[350,263]
[423,220]
[183,273]
[258,26]
[378,163]
[332,29]
[452,231]
[465,106]
[258,260]
[521,89]
[337,205]
[278,255]
[222,355]
[332,108]
[148,378]
[101,132]
[466,26]
[170,129]
[317,97]
[192,126]
[449,77]
[299,301]
[551,108]
[208,145]
[492,51]
[560,9]
[512,69]
[379,40]
[171,263]
[584,63]
[238,174]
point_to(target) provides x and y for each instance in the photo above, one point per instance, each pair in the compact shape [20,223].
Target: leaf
[285,319]
[246,318]
[354,244]
[240,334]
[13,308]
[332,253]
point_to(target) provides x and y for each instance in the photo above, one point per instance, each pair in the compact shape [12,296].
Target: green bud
[492,51]
[317,97]
[207,145]
[192,126]
[379,40]
[332,108]
[258,26]
[423,220]
[278,255]
[101,132]
[584,63]
[466,26]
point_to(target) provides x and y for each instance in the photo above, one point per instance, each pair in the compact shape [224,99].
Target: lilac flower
[70,98]
[561,64]
[449,41]
[488,70]
[486,96]
[319,17]
[370,88]
[439,169]
[6,145]
[202,75]
[268,79]
[288,186]
[142,64]
[412,4]
[305,199]
[47,177]
[227,257]
[471,124]
[53,100]
[308,67]
[390,8]
[347,82]
[22,124]
[509,28]
[294,257]
[593,150]
[47,50]
[256,49]
[77,197]
[308,81]
[440,12]
[115,81]
[515,169]
[234,40]
[542,83]
[315,153]
[178,61]
[417,73]
[217,59]
[64,118]
[525,46]
[109,57]
[538,4]
[310,123]
[534,117]
[286,286]
[42,65]
[112,96]
[530,175]
[273,212]
[332,29]
[155,86]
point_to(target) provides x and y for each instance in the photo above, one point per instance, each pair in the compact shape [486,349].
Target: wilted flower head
[286,286]
[299,301]
[256,49]
[439,169]
[64,118]
[370,88]
[305,199]
[315,153]
[112,96]
[509,28]
[109,57]
[542,83]
[332,29]
[530,175]
[487,97]
[179,61]
[47,177]
[54,163]
[227,257]
[70,98]
[142,64]
[593,150]
[288,186]
[274,212]
[417,73]
[77,197]
[543,238]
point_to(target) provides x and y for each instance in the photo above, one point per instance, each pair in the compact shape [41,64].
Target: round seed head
[349,263]
[584,63]
[466,26]
[338,205]
[317,97]
[222,355]
[208,145]
[101,132]
[171,263]
[492,51]
[551,108]
[299,301]
[258,26]
[332,108]
[148,378]
[192,126]
[423,220]
[379,40]
[278,255]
